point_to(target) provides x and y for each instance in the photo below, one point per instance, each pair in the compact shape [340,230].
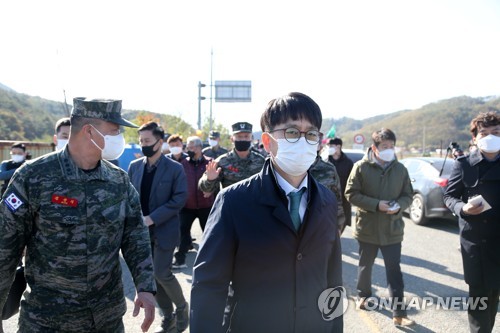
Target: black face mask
[242,145]
[191,154]
[148,150]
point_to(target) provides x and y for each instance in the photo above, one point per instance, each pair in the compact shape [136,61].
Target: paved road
[431,265]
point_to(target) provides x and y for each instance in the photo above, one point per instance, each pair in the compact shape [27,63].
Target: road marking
[370,323]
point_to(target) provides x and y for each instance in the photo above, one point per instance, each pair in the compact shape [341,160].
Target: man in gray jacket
[161,183]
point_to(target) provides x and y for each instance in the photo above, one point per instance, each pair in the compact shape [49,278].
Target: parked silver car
[354,154]
[428,187]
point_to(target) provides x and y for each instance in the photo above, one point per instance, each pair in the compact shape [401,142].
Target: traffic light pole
[200,98]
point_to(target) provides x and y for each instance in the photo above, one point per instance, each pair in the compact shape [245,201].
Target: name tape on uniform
[62,200]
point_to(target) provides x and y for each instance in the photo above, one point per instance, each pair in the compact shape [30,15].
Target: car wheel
[417,210]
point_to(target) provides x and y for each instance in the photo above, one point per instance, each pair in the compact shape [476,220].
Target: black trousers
[392,258]
[168,288]
[187,217]
[483,320]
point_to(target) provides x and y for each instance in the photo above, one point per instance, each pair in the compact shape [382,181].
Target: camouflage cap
[106,109]
[214,134]
[242,127]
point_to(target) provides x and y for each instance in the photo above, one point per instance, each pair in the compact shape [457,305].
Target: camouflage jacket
[214,153]
[233,170]
[74,225]
[326,174]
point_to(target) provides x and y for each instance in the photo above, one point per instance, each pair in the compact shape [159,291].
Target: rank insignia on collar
[62,200]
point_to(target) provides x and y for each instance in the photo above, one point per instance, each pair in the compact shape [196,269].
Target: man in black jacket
[8,167]
[344,165]
[473,186]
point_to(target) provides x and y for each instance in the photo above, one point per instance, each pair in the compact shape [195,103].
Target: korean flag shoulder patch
[13,202]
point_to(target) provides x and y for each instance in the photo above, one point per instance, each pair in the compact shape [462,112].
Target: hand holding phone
[393,205]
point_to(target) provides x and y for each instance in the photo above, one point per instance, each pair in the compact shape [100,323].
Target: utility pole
[66,109]
[423,142]
[200,98]
[211,84]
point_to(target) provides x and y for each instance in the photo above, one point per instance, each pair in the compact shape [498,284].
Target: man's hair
[335,141]
[174,137]
[60,123]
[294,106]
[383,134]
[156,129]
[77,123]
[195,140]
[19,145]
[484,119]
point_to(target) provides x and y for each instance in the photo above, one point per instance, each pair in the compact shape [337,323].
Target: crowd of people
[272,216]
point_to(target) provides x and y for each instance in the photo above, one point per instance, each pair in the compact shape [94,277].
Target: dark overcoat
[277,273]
[479,234]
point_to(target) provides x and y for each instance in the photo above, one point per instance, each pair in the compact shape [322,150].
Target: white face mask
[175,150]
[386,155]
[114,145]
[212,143]
[332,150]
[17,158]
[295,158]
[489,143]
[164,146]
[61,143]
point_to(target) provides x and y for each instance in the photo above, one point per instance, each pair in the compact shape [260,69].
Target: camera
[454,145]
[455,149]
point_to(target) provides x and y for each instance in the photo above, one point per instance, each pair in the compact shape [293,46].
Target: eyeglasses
[293,135]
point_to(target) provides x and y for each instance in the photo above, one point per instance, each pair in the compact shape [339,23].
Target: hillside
[27,118]
[24,117]
[437,123]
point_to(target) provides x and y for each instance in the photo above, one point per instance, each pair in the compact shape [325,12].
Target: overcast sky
[355,58]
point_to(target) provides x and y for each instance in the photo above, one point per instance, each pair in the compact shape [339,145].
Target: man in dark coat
[479,175]
[8,167]
[275,237]
[198,205]
[344,165]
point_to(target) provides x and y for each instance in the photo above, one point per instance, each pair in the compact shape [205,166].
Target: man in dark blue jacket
[8,167]
[479,175]
[274,236]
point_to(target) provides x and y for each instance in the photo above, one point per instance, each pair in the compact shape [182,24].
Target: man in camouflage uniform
[74,212]
[326,174]
[215,150]
[238,164]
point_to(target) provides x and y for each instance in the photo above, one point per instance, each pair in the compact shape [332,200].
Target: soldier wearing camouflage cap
[75,212]
[236,165]
[215,150]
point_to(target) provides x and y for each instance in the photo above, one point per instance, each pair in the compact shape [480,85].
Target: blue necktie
[294,207]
